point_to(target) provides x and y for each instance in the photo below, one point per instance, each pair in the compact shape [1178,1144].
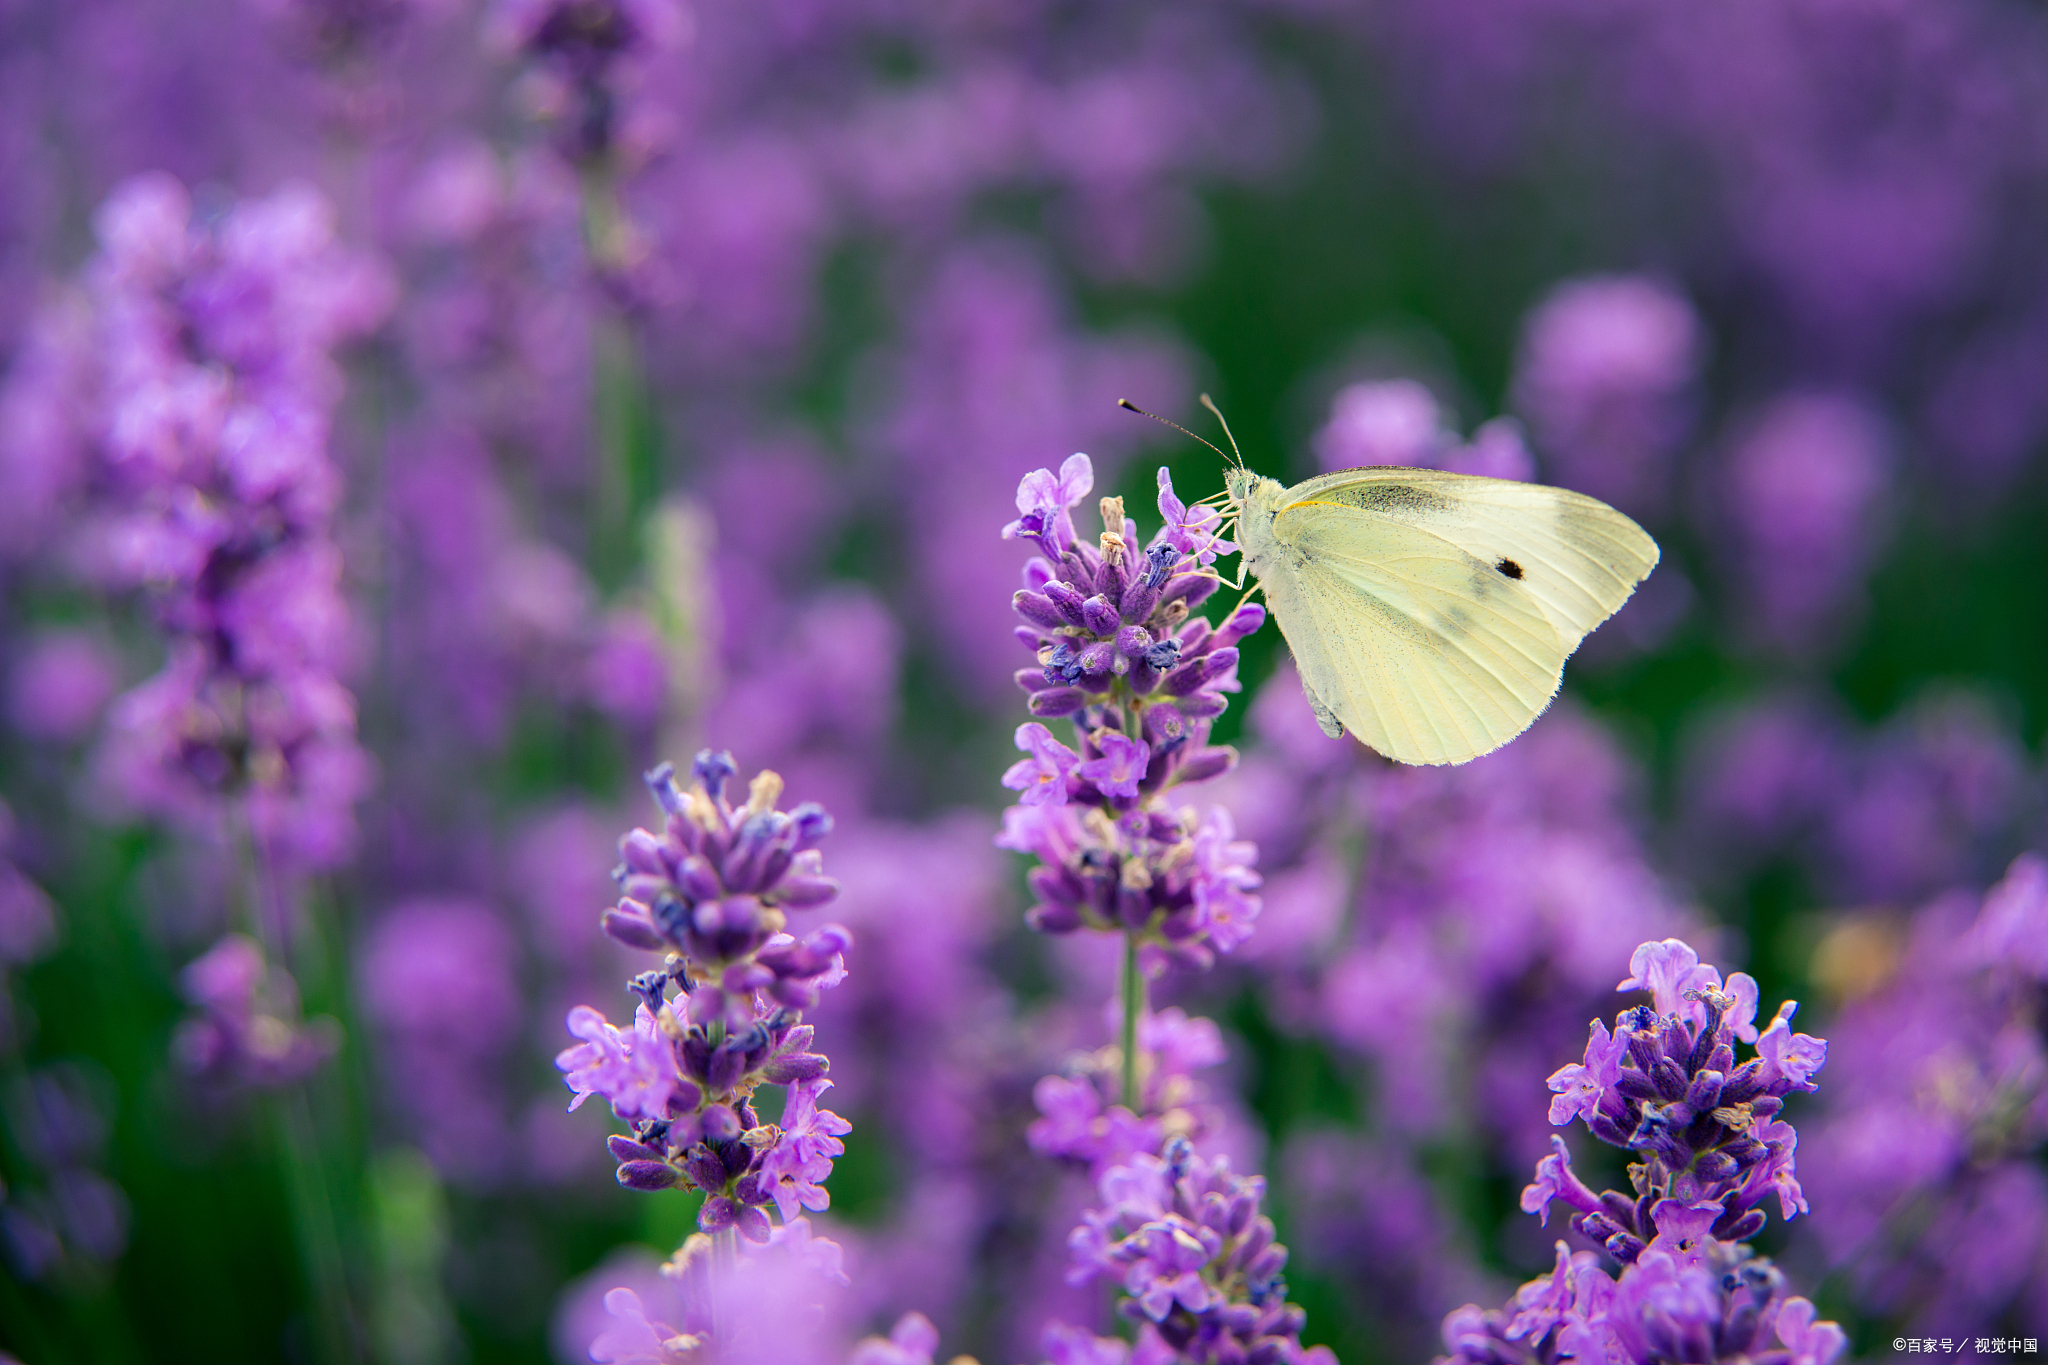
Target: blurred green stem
[313,1227]
[297,1136]
[625,450]
[1134,1006]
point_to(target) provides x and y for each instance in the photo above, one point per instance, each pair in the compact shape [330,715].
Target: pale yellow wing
[1576,557]
[1424,651]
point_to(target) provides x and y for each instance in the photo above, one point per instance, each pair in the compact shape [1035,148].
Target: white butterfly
[1431,613]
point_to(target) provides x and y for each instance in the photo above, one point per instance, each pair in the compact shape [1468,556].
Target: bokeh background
[661,374]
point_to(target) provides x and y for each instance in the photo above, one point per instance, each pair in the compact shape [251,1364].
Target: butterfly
[1429,613]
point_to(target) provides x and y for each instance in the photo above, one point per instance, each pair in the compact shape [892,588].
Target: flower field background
[419,419]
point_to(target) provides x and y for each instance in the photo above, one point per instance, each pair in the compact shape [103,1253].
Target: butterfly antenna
[1210,404]
[1127,403]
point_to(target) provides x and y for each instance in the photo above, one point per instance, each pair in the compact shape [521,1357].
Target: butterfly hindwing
[1424,650]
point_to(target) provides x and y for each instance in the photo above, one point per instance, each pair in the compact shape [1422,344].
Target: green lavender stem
[623,428]
[1134,1006]
[313,1227]
[297,1136]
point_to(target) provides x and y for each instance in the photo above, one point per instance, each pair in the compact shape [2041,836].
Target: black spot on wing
[1507,568]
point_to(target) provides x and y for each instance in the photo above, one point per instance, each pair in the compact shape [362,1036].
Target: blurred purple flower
[247,1033]
[438,979]
[992,364]
[1924,1162]
[1604,378]
[1806,484]
[1399,422]
[61,683]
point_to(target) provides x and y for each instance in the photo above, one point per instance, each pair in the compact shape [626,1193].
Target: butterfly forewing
[1577,558]
[1426,651]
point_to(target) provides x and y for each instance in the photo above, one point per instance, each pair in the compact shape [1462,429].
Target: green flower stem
[1134,1006]
[622,414]
[313,1227]
[296,1134]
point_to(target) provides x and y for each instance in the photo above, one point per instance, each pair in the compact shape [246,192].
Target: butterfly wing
[1423,650]
[1576,557]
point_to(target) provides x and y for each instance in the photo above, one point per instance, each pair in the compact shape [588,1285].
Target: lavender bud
[1038,609]
[1734,1227]
[1133,641]
[721,1124]
[1670,1078]
[1057,918]
[647,1175]
[1068,602]
[712,769]
[1139,599]
[798,1066]
[1714,1166]
[1208,763]
[1057,701]
[1113,580]
[641,852]
[1199,673]
[1268,1264]
[1099,616]
[1637,1086]
[706,1172]
[635,930]
[661,782]
[1244,621]
[807,825]
[624,1148]
[1624,1248]
[800,893]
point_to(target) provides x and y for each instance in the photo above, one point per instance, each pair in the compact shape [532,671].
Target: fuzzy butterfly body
[1430,613]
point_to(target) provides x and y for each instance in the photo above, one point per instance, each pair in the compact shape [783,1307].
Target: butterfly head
[1237,485]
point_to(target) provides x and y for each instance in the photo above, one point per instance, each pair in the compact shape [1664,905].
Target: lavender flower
[588,53]
[208,427]
[1807,480]
[1604,378]
[60,685]
[1080,1120]
[1665,1085]
[712,890]
[1926,1155]
[1142,681]
[1400,422]
[28,918]
[248,1032]
[1183,1240]
[438,977]
[775,1303]
[58,1118]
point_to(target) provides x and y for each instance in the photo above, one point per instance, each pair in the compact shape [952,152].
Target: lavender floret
[712,891]
[1121,656]
[1664,1083]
